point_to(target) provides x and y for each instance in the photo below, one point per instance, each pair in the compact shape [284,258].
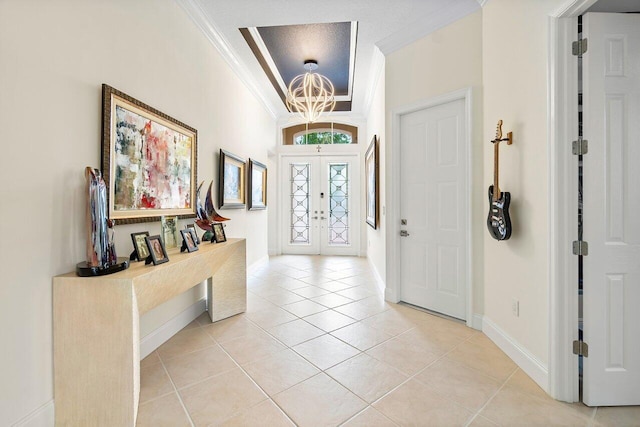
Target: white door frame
[563,204]
[392,291]
[311,151]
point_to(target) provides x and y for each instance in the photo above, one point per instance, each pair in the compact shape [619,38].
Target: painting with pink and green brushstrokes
[152,164]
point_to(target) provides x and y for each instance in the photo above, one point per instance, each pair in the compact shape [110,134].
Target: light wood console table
[96,334]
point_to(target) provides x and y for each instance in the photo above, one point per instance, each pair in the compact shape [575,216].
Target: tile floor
[318,346]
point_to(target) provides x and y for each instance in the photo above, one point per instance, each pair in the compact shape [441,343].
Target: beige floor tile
[488,361]
[480,421]
[280,371]
[204,319]
[360,309]
[231,328]
[367,377]
[403,356]
[434,341]
[390,321]
[522,383]
[154,382]
[151,359]
[252,347]
[295,332]
[329,320]
[414,404]
[163,412]
[621,416]
[263,414]
[194,367]
[332,300]
[356,293]
[369,418]
[221,397]
[311,291]
[510,407]
[283,298]
[304,308]
[319,401]
[361,336]
[192,325]
[333,286]
[316,279]
[465,386]
[184,342]
[325,351]
[256,303]
[272,317]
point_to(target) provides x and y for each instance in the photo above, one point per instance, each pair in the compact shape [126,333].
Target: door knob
[404,233]
[322,217]
[314,217]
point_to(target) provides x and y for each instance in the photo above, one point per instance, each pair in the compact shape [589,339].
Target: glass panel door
[320,215]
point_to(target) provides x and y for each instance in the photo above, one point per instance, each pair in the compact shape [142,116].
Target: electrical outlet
[515,307]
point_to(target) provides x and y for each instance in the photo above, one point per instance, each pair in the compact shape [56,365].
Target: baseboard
[376,274]
[529,363]
[476,321]
[44,416]
[257,264]
[159,336]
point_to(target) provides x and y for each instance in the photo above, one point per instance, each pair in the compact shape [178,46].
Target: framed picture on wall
[232,191]
[149,160]
[372,178]
[257,194]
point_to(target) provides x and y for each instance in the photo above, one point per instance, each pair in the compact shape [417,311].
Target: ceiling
[349,46]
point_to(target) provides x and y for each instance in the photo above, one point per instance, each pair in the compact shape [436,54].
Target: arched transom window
[320,133]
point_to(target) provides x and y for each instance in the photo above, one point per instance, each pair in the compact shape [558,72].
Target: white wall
[445,61]
[53,58]
[515,49]
[375,243]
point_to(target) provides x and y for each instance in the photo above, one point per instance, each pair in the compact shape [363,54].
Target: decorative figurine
[207,215]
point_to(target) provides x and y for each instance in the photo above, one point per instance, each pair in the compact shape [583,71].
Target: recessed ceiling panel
[329,44]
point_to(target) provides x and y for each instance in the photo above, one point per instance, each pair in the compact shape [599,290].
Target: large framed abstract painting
[149,160]
[372,176]
[257,193]
[232,187]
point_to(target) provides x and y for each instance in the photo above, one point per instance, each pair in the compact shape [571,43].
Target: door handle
[314,217]
[404,233]
[322,217]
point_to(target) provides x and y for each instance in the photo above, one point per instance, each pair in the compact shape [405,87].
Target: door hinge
[579,48]
[580,247]
[580,147]
[580,348]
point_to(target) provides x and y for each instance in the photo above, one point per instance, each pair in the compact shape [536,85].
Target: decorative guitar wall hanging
[498,220]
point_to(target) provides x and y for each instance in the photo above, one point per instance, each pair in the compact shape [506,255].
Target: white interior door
[434,203]
[320,204]
[611,172]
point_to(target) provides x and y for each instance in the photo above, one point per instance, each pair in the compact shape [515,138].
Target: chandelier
[310,94]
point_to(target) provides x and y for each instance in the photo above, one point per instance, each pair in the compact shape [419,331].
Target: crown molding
[482,3]
[199,17]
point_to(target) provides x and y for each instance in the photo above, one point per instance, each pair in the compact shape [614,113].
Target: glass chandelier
[310,94]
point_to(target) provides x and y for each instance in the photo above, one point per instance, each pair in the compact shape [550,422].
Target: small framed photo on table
[188,241]
[156,249]
[192,227]
[140,249]
[218,233]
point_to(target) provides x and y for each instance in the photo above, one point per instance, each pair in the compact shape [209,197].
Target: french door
[320,204]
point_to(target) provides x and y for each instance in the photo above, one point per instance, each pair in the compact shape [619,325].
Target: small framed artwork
[188,242]
[192,227]
[149,160]
[372,177]
[156,249]
[232,192]
[218,233]
[257,194]
[140,249]
[169,226]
